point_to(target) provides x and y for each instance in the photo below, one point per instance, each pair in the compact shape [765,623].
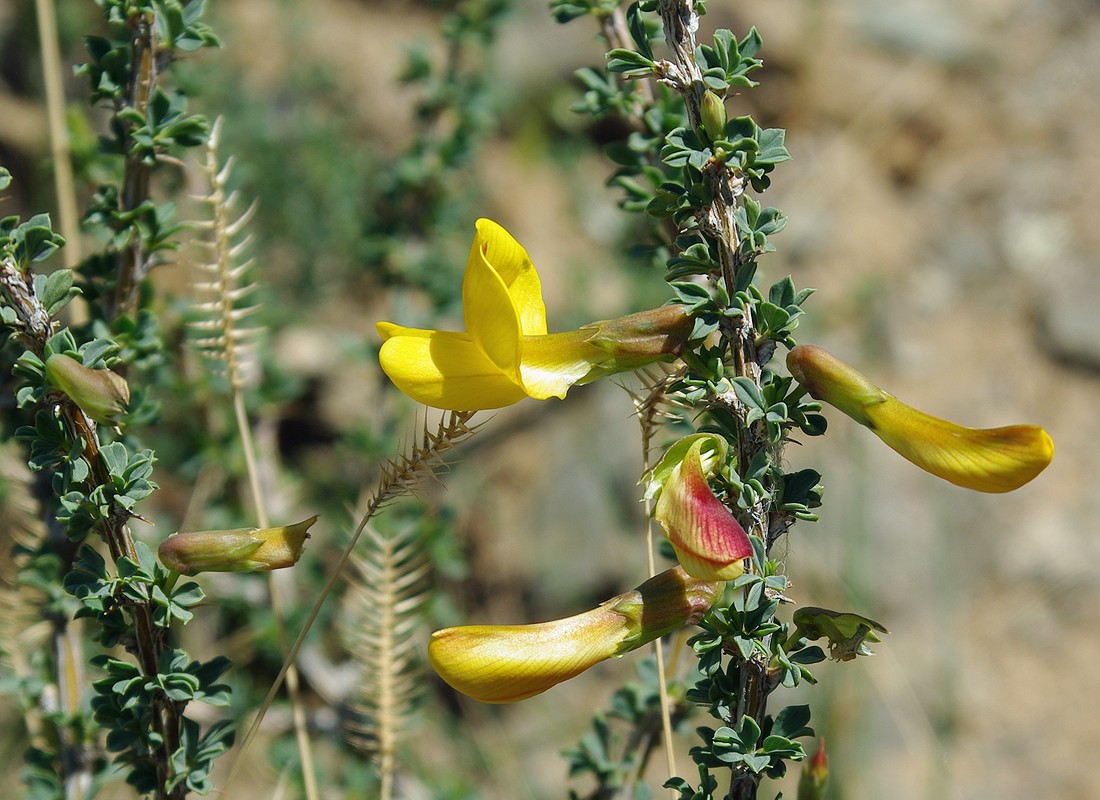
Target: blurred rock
[1070,317]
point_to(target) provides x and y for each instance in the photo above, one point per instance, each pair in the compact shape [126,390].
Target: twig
[718,223]
[59,134]
[133,263]
[649,409]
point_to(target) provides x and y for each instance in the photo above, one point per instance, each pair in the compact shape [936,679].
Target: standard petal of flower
[443,370]
[709,542]
[986,460]
[506,663]
[513,265]
[492,320]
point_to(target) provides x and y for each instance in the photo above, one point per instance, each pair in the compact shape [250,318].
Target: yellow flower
[987,460]
[709,541]
[506,663]
[505,354]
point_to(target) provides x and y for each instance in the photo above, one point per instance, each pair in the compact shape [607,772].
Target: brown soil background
[943,198]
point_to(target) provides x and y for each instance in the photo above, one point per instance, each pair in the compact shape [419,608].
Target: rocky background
[944,199]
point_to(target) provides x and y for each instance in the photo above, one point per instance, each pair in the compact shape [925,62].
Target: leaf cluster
[28,242]
[178,27]
[738,636]
[123,705]
[104,596]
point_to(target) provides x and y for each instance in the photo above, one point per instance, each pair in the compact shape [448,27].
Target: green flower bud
[238,550]
[713,111]
[101,394]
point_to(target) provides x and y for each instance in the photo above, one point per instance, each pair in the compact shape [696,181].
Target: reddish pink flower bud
[709,541]
[814,779]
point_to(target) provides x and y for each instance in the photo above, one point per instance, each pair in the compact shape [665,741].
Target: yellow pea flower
[709,541]
[506,663]
[505,354]
[986,460]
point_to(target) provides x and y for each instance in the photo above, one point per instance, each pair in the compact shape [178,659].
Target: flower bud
[986,460]
[814,779]
[238,550]
[101,394]
[713,112]
[506,663]
[709,541]
[847,633]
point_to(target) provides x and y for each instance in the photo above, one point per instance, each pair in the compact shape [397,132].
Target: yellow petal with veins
[986,460]
[551,364]
[443,370]
[983,459]
[506,663]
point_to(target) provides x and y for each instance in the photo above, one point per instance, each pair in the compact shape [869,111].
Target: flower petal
[511,262]
[491,318]
[506,663]
[709,542]
[443,370]
[550,364]
[986,460]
